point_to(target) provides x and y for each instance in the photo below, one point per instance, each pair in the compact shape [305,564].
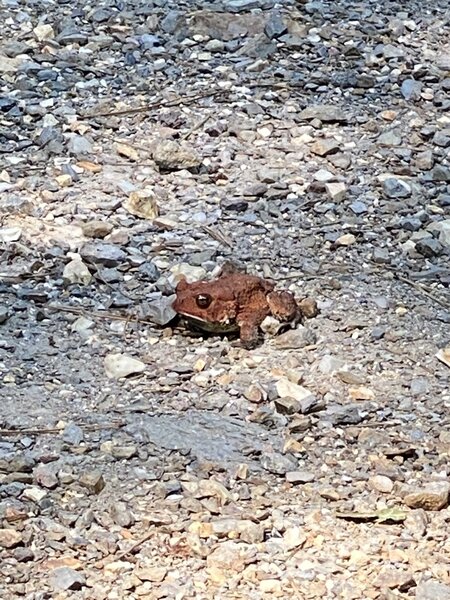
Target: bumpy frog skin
[234,302]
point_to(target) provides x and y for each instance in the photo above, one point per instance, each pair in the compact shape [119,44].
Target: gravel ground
[144,141]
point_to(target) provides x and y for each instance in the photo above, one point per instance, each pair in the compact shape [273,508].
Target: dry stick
[195,127]
[156,104]
[132,145]
[217,235]
[125,553]
[50,430]
[100,315]
[420,287]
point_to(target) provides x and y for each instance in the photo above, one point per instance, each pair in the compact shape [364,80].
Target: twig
[157,104]
[125,553]
[132,145]
[217,235]
[100,315]
[49,430]
[195,127]
[423,289]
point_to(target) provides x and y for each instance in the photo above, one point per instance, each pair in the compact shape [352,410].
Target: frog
[234,302]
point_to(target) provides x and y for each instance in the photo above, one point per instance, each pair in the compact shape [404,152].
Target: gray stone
[71,36]
[276,463]
[79,145]
[275,26]
[391,51]
[103,253]
[4,314]
[343,415]
[390,138]
[73,434]
[381,256]
[297,477]
[49,134]
[429,247]
[330,364]
[170,22]
[64,578]
[432,590]
[424,160]
[159,311]
[10,234]
[381,302]
[440,173]
[45,476]
[358,207]
[13,205]
[122,365]
[100,15]
[411,224]
[396,188]
[293,339]
[411,89]
[237,6]
[149,271]
[171,156]
[327,113]
[419,385]
[443,227]
[288,389]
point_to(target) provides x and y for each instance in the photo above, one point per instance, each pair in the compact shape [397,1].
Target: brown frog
[234,302]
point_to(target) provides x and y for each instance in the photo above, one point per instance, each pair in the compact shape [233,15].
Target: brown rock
[381,483]
[325,147]
[434,496]
[309,308]
[155,574]
[171,156]
[231,556]
[93,481]
[9,538]
[96,229]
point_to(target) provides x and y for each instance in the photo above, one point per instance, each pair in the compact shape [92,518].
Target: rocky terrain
[143,141]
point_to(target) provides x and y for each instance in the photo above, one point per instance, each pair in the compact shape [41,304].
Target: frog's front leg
[249,328]
[283,306]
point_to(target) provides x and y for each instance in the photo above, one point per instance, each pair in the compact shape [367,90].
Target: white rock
[287,389]
[444,356]
[10,234]
[324,176]
[337,191]
[444,232]
[122,365]
[330,364]
[81,324]
[294,537]
[44,32]
[77,272]
[34,494]
[346,240]
[189,272]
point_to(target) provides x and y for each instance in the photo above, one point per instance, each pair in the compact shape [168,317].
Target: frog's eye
[203,300]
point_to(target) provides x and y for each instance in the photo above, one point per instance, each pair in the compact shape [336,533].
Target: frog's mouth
[211,326]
